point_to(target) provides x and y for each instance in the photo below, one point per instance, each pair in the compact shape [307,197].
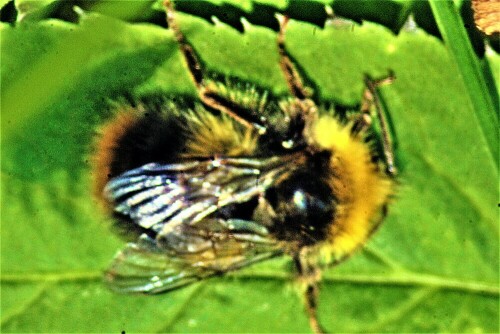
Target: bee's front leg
[363,120]
[208,94]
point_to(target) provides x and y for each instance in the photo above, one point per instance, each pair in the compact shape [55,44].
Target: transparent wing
[161,197]
[189,254]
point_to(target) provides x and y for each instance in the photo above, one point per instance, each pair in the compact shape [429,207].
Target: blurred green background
[432,267]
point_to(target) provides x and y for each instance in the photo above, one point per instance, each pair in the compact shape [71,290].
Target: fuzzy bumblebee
[240,179]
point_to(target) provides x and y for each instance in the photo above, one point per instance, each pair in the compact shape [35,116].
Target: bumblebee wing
[142,267]
[161,197]
[189,254]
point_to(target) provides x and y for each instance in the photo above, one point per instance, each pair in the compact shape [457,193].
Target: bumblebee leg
[288,68]
[311,296]
[364,120]
[209,96]
[309,276]
[303,110]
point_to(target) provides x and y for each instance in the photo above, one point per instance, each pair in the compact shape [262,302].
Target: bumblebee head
[304,204]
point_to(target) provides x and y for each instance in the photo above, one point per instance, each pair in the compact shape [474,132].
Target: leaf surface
[432,267]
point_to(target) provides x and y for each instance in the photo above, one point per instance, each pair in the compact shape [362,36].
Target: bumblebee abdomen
[134,137]
[140,135]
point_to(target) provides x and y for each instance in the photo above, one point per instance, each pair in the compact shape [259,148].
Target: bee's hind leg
[309,277]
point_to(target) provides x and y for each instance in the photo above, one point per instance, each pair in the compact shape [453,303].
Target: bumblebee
[241,178]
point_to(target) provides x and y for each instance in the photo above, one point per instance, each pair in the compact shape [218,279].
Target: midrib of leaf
[77,276]
[400,278]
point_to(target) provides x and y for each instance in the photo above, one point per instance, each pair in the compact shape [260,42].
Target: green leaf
[456,39]
[432,267]
[27,6]
[3,3]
